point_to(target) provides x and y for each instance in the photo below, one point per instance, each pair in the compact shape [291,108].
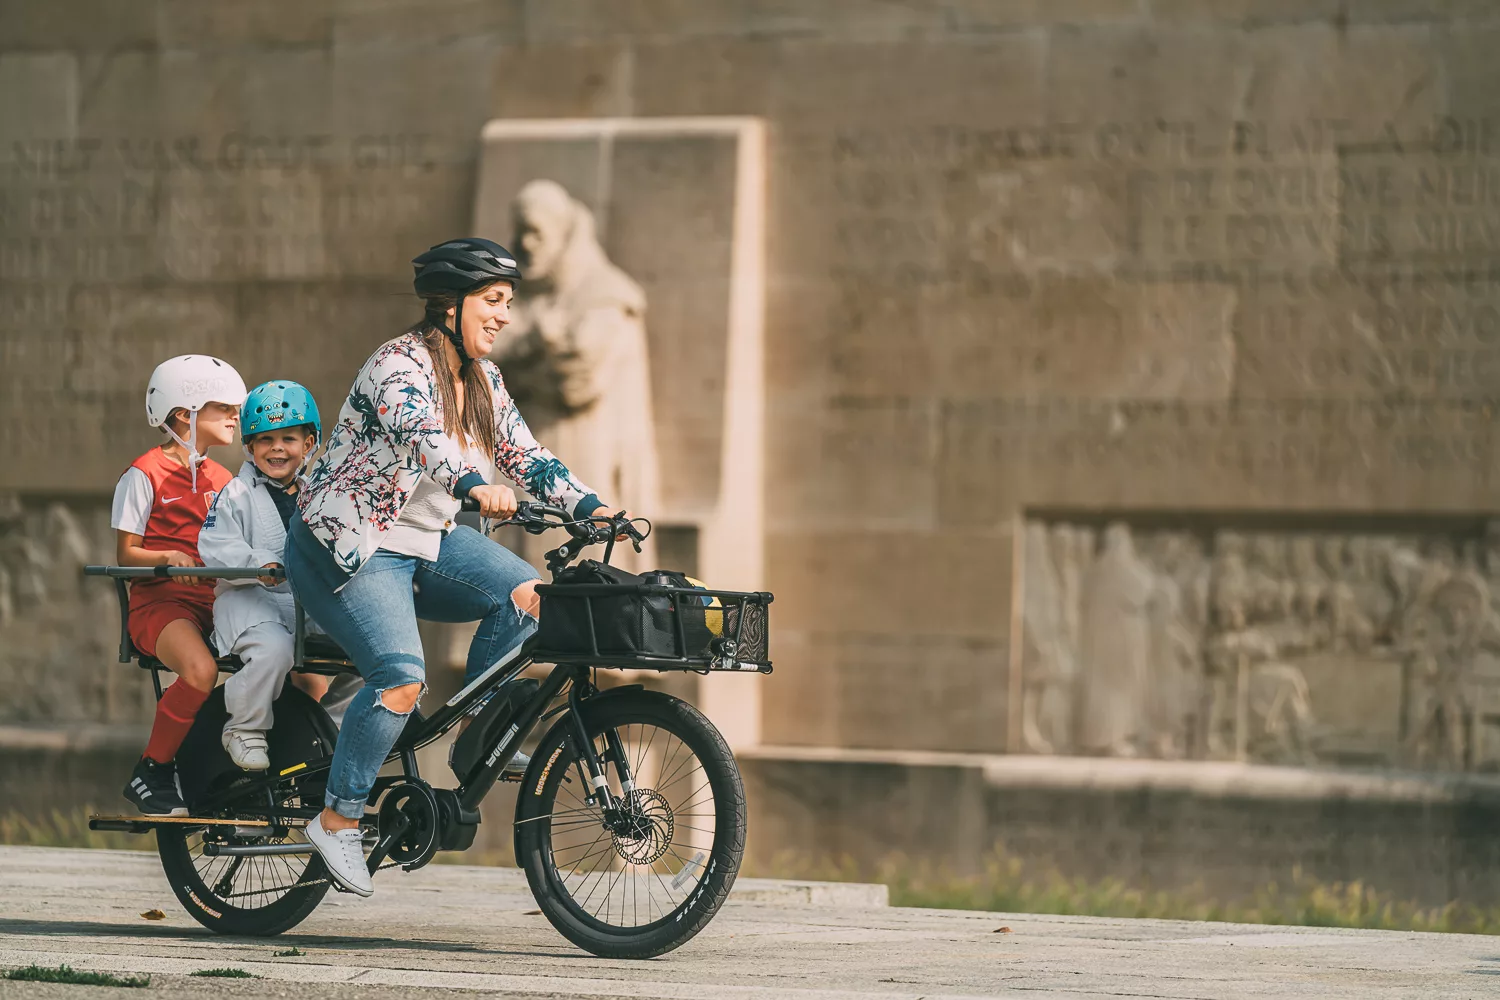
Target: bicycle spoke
[657,833]
[253,881]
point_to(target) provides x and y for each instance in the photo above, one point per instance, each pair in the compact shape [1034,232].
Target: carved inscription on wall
[1290,644]
[117,252]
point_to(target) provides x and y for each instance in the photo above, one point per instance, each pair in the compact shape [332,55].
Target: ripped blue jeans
[373,616]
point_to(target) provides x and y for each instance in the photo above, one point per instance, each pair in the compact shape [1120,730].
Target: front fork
[590,765]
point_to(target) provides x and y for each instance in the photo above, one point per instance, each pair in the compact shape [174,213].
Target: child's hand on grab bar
[183,561]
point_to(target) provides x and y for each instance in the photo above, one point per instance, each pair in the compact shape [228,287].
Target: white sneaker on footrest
[248,749]
[343,853]
[516,769]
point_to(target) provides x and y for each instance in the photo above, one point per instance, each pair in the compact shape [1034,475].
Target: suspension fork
[589,763]
[615,747]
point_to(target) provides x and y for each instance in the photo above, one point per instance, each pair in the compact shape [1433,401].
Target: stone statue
[1283,729]
[1349,625]
[575,355]
[1442,637]
[1048,661]
[1172,690]
[1490,551]
[1116,649]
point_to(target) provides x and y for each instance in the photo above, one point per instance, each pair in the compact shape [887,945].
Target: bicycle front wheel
[645,876]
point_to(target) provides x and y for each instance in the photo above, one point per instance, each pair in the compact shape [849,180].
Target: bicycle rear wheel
[257,896]
[650,875]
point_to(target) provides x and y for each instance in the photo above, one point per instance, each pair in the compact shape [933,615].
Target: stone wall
[1122,255]
[1222,831]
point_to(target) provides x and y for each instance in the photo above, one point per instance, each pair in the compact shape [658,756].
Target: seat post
[156,682]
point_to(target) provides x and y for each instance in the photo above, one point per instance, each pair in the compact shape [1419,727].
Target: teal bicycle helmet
[274,405]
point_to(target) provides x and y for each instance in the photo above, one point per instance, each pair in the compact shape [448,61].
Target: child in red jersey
[159,507]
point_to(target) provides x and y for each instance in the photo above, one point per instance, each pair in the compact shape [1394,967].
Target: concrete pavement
[459,928]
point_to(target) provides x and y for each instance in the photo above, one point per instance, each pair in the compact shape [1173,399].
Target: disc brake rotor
[644,830]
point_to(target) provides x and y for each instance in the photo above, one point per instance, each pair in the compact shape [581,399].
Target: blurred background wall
[1131,365]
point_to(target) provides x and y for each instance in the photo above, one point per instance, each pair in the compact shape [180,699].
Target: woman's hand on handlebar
[494,501]
[613,512]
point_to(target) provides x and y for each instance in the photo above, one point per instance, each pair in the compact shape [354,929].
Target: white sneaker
[248,749]
[343,852]
[516,769]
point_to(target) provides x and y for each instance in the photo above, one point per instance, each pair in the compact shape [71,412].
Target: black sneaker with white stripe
[153,789]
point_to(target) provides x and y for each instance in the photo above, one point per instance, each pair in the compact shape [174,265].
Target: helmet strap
[191,444]
[455,334]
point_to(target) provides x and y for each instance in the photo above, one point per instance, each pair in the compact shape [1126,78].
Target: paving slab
[455,928]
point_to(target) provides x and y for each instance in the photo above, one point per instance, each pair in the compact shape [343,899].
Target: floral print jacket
[390,432]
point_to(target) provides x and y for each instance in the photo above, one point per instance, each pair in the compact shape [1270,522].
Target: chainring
[414,801]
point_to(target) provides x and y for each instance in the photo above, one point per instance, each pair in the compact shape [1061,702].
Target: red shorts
[150,617]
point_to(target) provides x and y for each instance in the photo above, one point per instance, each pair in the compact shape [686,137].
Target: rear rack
[145,824]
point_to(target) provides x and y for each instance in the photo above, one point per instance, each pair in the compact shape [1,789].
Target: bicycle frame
[418,733]
[253,820]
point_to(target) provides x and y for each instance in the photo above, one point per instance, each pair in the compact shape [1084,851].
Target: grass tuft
[225,974]
[1010,885]
[292,952]
[67,974]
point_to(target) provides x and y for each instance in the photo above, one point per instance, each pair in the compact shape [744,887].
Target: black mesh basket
[656,627]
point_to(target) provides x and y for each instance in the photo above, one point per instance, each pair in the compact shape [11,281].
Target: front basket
[654,627]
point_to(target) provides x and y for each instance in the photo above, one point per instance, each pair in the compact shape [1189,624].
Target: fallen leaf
[153,915]
[1002,930]
[532,913]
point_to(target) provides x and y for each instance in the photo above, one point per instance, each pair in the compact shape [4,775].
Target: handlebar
[536,518]
[201,572]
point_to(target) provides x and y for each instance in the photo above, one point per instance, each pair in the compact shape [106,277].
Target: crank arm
[387,841]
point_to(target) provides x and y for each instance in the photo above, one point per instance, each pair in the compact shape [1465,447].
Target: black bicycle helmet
[459,267]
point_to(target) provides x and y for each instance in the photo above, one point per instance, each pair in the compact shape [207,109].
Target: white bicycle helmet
[190,382]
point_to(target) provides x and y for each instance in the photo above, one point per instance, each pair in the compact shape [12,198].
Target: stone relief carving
[59,629]
[575,354]
[1225,644]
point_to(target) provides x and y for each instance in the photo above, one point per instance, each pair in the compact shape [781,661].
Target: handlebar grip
[468,505]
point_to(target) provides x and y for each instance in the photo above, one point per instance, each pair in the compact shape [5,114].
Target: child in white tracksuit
[255,619]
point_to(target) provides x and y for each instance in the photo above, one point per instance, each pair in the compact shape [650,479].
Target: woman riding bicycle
[427,424]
